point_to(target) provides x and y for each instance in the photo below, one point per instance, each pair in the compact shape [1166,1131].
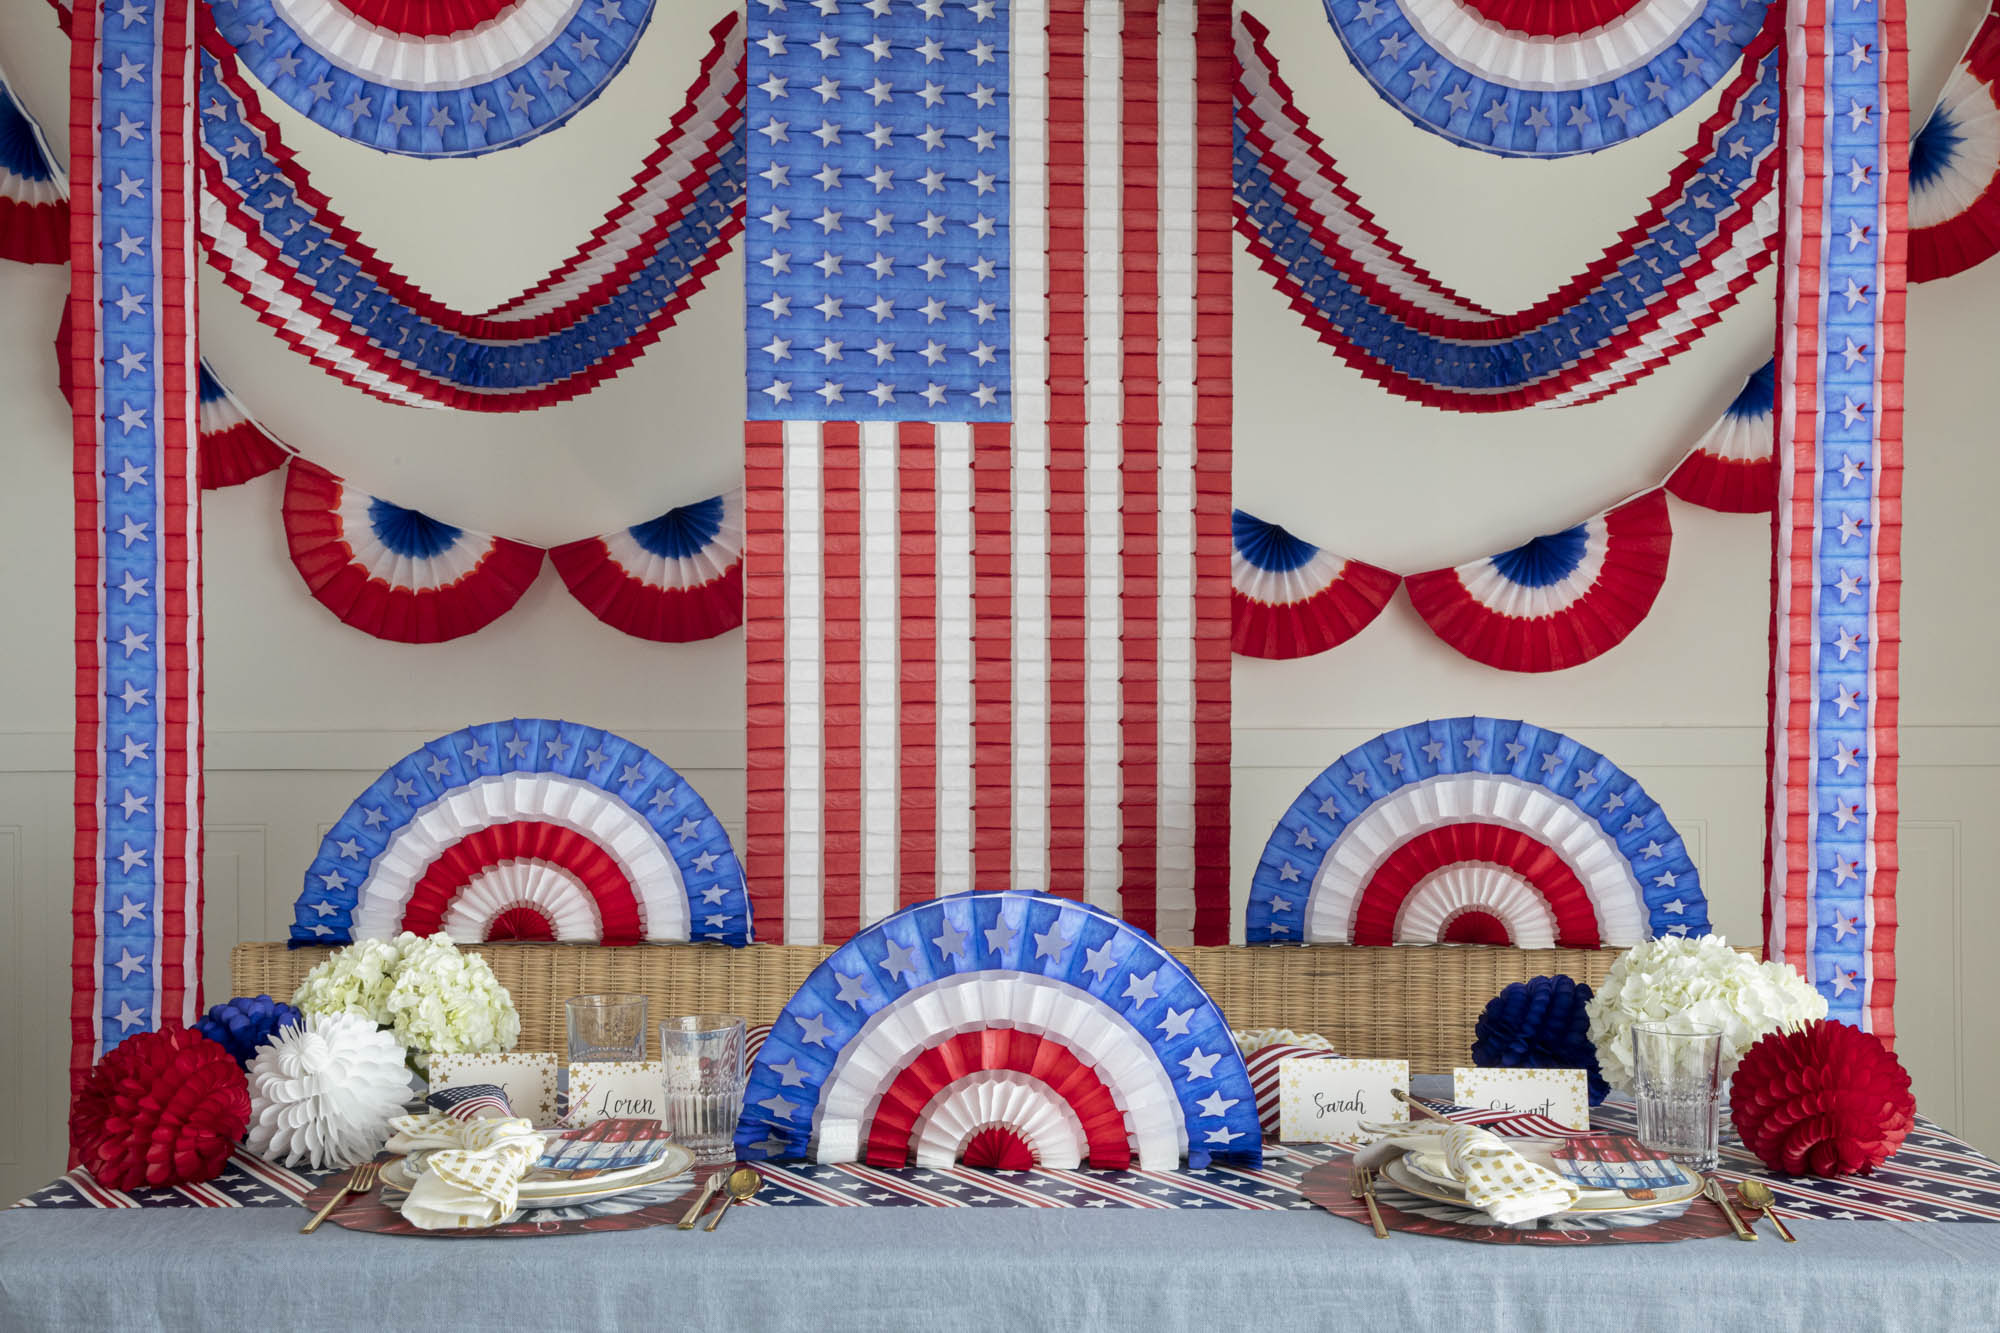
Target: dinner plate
[1400,1173]
[677,1161]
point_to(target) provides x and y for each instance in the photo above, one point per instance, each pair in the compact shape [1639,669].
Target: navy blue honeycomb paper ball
[1539,1024]
[241,1025]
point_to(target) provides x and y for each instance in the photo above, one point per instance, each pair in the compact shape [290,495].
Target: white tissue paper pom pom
[322,1093]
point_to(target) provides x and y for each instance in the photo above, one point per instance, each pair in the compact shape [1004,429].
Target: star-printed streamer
[1069,1030]
[34,203]
[281,245]
[1543,78]
[1288,598]
[137,907]
[1462,829]
[527,829]
[1955,166]
[1830,898]
[434,78]
[1652,293]
[671,579]
[1730,467]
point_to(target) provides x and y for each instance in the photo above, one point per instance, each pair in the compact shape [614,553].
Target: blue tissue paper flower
[241,1025]
[1539,1024]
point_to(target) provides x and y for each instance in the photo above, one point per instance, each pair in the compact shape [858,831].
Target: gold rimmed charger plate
[1406,1178]
[677,1161]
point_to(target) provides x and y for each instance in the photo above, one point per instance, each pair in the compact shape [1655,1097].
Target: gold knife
[708,1188]
[1713,1189]
[1362,1182]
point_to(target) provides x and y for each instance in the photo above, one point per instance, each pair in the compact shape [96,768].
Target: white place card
[616,1090]
[1325,1101]
[1563,1095]
[527,1077]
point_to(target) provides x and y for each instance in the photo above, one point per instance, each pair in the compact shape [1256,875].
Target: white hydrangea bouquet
[434,998]
[1696,981]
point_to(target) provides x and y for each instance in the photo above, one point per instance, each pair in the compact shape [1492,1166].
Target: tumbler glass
[702,1055]
[1677,1082]
[606,1027]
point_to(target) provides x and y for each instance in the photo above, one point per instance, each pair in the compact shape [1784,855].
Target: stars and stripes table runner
[987,458]
[137,906]
[1830,901]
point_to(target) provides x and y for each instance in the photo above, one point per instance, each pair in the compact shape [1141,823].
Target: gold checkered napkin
[1498,1181]
[472,1172]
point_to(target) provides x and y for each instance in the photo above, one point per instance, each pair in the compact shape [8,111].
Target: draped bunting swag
[34,212]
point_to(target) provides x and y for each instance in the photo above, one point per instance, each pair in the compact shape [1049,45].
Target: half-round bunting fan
[1557,600]
[434,78]
[1001,1029]
[1543,78]
[234,448]
[1955,166]
[1730,467]
[1288,598]
[1474,830]
[672,579]
[34,200]
[393,572]
[529,829]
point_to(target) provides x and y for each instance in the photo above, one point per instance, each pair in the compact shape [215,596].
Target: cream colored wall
[302,711]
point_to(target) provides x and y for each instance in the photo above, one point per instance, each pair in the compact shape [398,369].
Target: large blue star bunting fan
[529,829]
[1008,1030]
[1474,830]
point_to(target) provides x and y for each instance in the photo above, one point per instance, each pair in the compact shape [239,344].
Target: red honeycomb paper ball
[1826,1099]
[161,1108]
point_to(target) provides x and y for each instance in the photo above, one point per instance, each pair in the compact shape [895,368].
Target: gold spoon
[743,1182]
[1756,1194]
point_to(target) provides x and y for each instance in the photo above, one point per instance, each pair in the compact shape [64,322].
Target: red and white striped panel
[1263,1066]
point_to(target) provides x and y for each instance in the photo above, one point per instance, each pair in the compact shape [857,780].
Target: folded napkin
[471,1169]
[1498,1181]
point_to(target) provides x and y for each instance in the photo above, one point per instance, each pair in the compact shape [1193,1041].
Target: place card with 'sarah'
[1323,1100]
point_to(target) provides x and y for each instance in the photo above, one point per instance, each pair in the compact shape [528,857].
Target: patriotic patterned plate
[1326,1184]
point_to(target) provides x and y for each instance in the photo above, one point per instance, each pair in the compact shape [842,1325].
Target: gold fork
[360,1182]
[1363,1187]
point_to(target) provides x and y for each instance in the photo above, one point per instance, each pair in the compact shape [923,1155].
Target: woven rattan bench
[1414,1003]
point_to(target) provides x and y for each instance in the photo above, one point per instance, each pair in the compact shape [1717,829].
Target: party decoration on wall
[245,1023]
[234,447]
[439,842]
[434,78]
[1288,598]
[323,1091]
[1474,829]
[136,964]
[1954,205]
[1539,1024]
[1543,78]
[1669,276]
[1558,600]
[1825,1099]
[164,1107]
[279,242]
[1067,1033]
[1730,467]
[954,469]
[1830,855]
[394,572]
[671,579]
[34,200]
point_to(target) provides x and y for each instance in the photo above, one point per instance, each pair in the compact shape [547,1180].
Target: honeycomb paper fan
[525,900]
[1288,598]
[991,1101]
[673,579]
[1955,166]
[611,904]
[1730,467]
[1558,600]
[1456,896]
[34,199]
[1532,856]
[1056,1071]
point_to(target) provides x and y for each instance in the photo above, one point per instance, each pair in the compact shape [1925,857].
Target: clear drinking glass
[606,1027]
[1677,1082]
[703,1058]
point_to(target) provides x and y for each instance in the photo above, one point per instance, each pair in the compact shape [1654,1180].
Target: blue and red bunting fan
[1730,467]
[394,572]
[34,200]
[1288,598]
[234,448]
[1955,166]
[1557,601]
[673,579]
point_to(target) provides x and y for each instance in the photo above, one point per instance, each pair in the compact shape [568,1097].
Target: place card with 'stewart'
[1562,1095]
[1324,1100]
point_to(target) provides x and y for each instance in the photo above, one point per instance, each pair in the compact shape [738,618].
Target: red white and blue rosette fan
[34,200]
[234,447]
[529,829]
[1730,467]
[394,572]
[1955,166]
[1006,1029]
[434,78]
[1555,601]
[1474,830]
[1288,598]
[672,579]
